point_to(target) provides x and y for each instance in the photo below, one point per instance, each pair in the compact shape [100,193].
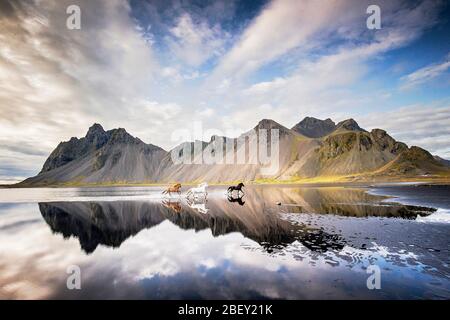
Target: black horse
[238,188]
[238,199]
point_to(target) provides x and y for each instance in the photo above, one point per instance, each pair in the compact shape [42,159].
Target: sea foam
[440,216]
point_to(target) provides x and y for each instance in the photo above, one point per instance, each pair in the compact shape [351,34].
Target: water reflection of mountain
[94,223]
[349,202]
[111,223]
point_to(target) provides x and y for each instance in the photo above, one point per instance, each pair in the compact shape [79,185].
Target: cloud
[317,23]
[323,87]
[55,82]
[156,66]
[425,74]
[23,148]
[324,83]
[271,34]
[266,86]
[194,43]
[426,126]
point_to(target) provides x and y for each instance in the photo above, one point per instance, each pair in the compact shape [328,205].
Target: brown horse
[175,188]
[175,206]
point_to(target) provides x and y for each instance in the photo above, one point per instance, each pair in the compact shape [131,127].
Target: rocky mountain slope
[313,148]
[314,128]
[442,161]
[101,157]
[291,145]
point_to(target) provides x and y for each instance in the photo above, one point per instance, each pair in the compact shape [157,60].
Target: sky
[155,67]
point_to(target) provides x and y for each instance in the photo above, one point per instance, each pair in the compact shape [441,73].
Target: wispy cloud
[426,126]
[282,26]
[156,66]
[321,84]
[55,82]
[425,74]
[193,42]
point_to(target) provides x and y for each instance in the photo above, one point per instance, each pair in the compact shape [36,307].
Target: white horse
[200,207]
[200,189]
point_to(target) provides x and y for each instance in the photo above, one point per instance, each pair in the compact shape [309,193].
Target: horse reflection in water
[198,205]
[237,199]
[174,205]
[201,189]
[233,197]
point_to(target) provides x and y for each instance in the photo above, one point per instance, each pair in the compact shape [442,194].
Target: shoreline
[280,184]
[304,183]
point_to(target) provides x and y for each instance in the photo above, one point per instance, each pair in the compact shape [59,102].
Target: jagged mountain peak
[349,124]
[312,120]
[378,132]
[120,135]
[96,136]
[314,128]
[270,124]
[95,139]
[94,130]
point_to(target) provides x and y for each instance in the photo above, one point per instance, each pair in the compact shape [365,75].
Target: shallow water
[281,242]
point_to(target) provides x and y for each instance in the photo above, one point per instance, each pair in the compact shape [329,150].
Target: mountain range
[312,150]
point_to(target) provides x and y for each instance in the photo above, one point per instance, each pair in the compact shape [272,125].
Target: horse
[238,200]
[175,188]
[238,188]
[198,206]
[200,189]
[175,206]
